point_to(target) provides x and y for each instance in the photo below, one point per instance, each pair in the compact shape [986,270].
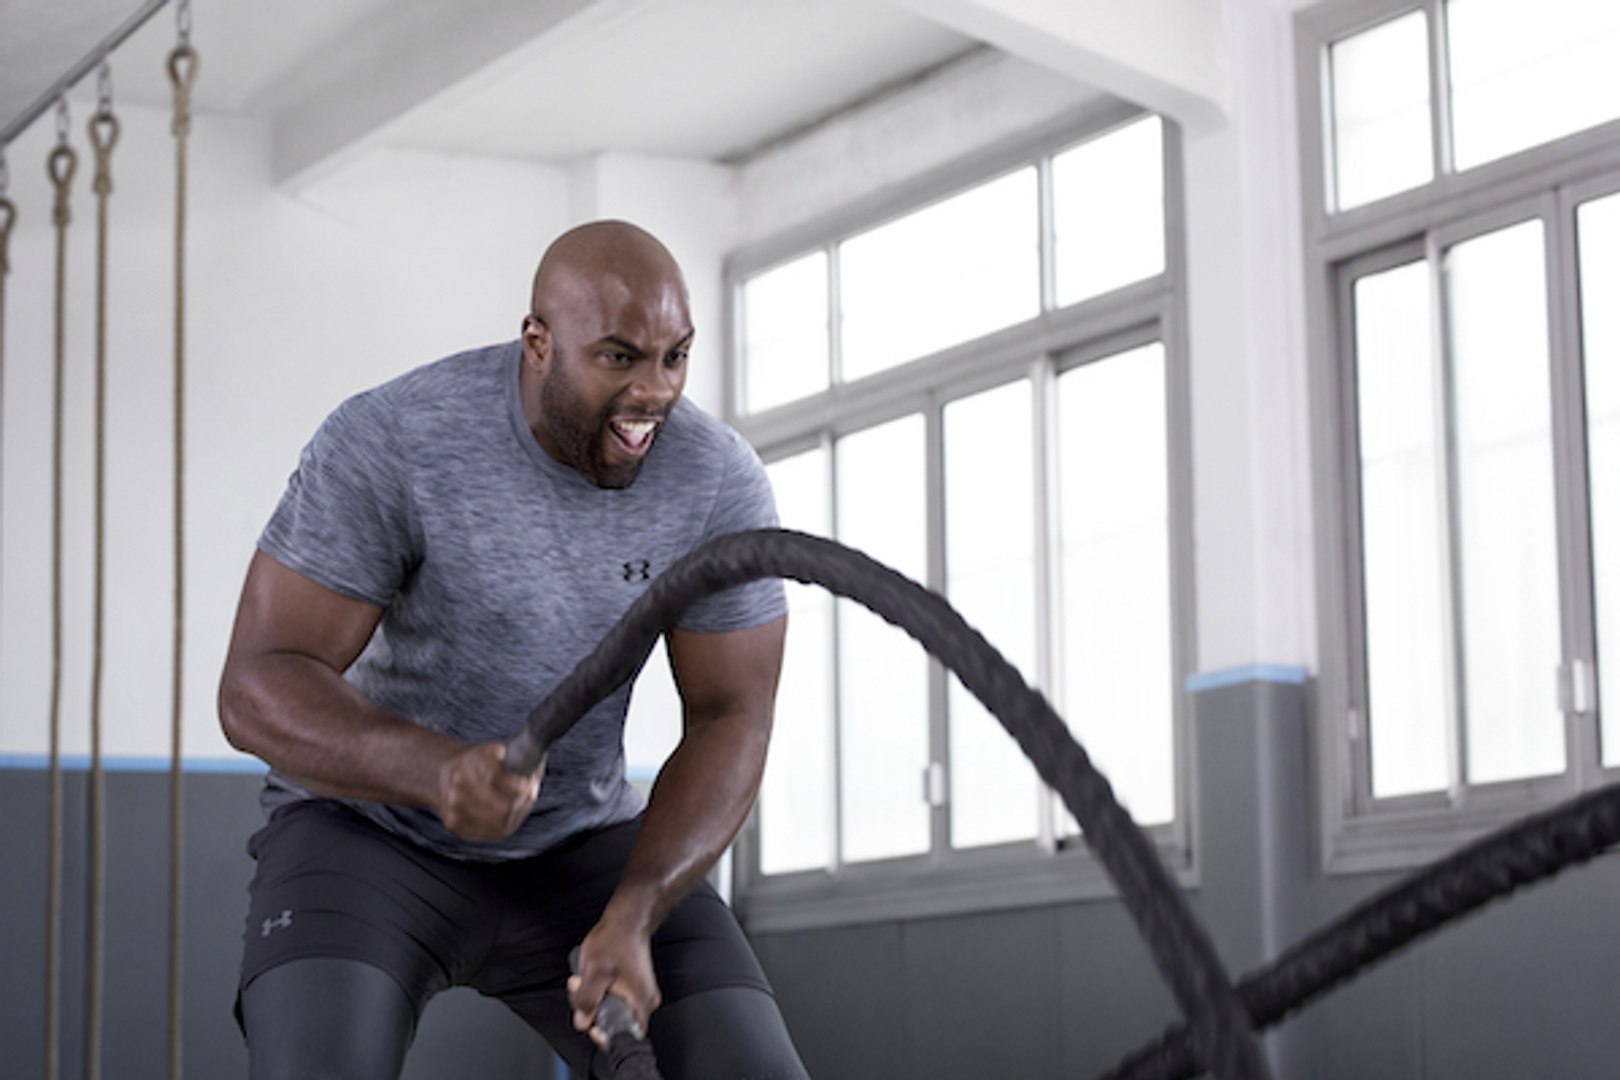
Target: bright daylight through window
[1475,403]
[1003,435]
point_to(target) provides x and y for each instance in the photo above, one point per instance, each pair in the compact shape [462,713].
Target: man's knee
[323,1017]
[726,1034]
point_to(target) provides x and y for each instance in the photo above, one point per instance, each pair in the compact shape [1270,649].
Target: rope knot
[183,64]
[103,136]
[61,166]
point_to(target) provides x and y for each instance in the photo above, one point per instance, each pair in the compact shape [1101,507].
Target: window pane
[1511,649]
[1118,678]
[1381,116]
[785,338]
[882,673]
[1599,225]
[796,797]
[1522,74]
[1108,211]
[1402,516]
[943,275]
[990,578]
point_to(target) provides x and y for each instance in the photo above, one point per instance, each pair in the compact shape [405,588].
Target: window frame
[1050,868]
[1549,182]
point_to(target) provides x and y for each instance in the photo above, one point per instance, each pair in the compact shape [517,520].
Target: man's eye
[676,359]
[619,359]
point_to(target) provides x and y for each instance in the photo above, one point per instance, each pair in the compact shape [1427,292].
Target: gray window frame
[1049,869]
[1358,833]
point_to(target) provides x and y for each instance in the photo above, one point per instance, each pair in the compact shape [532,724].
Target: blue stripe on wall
[222,765]
[135,763]
[1272,673]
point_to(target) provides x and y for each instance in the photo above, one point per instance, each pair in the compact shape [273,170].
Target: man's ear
[536,342]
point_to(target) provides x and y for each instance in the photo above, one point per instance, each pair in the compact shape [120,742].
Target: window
[1513,76]
[1522,74]
[1598,237]
[1467,465]
[1382,127]
[951,272]
[984,401]
[787,349]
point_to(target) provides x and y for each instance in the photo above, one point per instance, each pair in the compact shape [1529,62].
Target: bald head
[609,262]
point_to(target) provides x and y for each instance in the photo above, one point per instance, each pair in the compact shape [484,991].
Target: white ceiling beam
[345,96]
[1166,55]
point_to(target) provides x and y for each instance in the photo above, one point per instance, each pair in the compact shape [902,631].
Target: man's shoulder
[695,430]
[449,377]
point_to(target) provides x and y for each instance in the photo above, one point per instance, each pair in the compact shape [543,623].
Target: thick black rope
[1219,1025]
[1526,851]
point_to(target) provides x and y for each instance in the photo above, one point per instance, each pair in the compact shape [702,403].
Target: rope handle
[629,1052]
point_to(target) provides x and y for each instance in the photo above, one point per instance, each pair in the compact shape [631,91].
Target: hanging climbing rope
[182,65]
[103,128]
[60,166]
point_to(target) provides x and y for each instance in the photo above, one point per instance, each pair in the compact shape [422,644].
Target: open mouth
[634,436]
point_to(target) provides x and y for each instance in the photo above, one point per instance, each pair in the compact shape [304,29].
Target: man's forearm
[305,720]
[701,798]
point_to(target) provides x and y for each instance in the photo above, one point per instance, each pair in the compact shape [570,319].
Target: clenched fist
[480,800]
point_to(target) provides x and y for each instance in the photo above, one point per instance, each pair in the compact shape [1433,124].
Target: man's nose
[656,383]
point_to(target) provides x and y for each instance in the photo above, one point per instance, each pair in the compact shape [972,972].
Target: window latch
[934,784]
[1576,692]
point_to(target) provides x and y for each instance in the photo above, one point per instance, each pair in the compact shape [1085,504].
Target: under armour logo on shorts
[637,570]
[281,922]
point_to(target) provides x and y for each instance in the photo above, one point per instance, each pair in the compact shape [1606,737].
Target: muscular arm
[727,683]
[282,697]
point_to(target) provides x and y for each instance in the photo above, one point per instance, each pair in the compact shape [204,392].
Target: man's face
[608,369]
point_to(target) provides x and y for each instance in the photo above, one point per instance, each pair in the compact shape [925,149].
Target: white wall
[976,102]
[1251,459]
[293,303]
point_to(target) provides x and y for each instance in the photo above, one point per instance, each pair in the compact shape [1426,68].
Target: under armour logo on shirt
[637,570]
[281,922]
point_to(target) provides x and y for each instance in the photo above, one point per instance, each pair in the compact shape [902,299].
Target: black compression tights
[331,1019]
[326,1019]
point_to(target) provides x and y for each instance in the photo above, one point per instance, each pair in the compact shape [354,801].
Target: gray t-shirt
[500,568]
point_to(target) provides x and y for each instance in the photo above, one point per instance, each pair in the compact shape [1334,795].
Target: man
[452,543]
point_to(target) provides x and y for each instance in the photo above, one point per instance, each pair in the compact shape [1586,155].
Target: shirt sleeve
[345,520]
[744,501]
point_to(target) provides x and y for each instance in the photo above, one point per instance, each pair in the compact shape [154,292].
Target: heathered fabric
[500,568]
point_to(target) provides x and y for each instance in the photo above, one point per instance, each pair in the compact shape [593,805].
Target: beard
[581,435]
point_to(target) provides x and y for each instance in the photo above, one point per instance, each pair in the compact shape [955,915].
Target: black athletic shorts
[331,883]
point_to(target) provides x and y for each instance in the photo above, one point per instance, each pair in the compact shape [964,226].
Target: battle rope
[60,167]
[1220,1029]
[1526,851]
[182,65]
[103,136]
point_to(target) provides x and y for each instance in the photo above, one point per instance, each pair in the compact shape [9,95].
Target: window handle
[934,783]
[1576,693]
